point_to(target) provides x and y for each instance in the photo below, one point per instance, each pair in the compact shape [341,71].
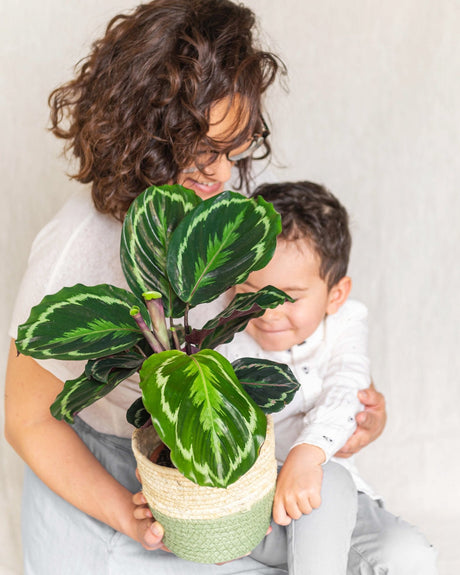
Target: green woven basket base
[217,540]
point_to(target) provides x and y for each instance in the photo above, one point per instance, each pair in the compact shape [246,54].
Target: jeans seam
[368,561]
[291,549]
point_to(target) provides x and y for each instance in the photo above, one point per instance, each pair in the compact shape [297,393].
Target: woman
[170,93]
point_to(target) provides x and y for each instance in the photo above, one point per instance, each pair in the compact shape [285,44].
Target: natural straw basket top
[169,492]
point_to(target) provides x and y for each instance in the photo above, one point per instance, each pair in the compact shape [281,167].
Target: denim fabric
[385,544]
[58,539]
[318,543]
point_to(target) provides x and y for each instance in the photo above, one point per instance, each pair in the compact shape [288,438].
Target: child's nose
[271,315]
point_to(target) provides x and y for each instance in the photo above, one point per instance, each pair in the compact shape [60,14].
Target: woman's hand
[371,421]
[150,532]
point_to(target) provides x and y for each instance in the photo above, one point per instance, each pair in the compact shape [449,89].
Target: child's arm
[331,421]
[298,489]
[329,424]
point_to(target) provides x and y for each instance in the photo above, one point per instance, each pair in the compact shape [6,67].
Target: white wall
[372,112]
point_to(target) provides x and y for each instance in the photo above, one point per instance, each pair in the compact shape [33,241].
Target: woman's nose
[221,169]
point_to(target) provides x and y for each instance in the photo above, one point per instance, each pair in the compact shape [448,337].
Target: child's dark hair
[309,211]
[138,109]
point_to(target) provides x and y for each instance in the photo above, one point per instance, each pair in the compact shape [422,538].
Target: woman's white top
[81,245]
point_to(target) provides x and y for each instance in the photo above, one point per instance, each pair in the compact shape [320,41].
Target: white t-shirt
[332,365]
[81,245]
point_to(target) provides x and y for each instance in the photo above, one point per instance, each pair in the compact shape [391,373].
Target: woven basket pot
[208,524]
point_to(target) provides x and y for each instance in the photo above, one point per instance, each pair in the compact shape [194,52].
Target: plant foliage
[176,252]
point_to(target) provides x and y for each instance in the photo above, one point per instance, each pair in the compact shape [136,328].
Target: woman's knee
[405,551]
[399,550]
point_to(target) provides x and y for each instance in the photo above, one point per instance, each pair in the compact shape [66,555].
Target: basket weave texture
[208,524]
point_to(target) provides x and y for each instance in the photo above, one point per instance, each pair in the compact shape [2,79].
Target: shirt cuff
[329,438]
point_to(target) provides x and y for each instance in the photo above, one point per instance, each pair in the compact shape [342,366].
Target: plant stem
[151,339]
[172,329]
[140,350]
[188,347]
[157,315]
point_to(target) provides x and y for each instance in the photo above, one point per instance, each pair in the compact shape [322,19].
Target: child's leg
[384,543]
[319,543]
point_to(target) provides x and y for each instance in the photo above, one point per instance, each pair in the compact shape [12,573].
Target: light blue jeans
[381,543]
[58,539]
[318,543]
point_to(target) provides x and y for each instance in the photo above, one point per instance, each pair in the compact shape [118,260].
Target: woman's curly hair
[138,109]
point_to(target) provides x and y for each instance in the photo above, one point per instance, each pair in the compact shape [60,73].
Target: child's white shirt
[332,365]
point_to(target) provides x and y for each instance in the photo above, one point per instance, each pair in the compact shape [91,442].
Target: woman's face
[212,181]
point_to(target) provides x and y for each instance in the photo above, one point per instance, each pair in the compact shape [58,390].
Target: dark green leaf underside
[235,317]
[271,385]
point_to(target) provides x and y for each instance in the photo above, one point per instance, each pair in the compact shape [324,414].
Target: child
[322,336]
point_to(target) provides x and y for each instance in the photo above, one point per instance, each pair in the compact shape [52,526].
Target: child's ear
[338,295]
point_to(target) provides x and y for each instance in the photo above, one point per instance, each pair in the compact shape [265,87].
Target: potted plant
[178,251]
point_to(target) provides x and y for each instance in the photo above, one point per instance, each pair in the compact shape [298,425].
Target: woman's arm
[58,456]
[371,422]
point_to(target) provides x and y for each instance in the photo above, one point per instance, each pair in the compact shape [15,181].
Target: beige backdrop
[373,112]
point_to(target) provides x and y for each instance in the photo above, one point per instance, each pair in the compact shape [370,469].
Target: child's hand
[298,489]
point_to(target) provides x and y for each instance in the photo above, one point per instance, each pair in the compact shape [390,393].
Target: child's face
[294,269]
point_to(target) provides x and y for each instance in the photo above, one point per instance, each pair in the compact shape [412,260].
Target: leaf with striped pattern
[218,244]
[83,391]
[202,413]
[81,322]
[137,415]
[103,369]
[271,385]
[147,228]
[235,317]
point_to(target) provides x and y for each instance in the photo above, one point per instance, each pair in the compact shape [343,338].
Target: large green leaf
[81,322]
[147,228]
[271,385]
[235,317]
[202,413]
[219,243]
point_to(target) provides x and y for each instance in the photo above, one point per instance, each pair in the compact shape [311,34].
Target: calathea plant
[177,251]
